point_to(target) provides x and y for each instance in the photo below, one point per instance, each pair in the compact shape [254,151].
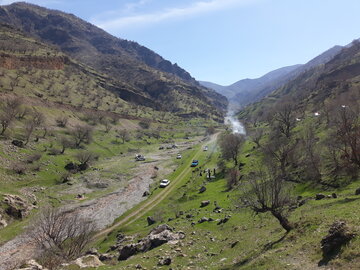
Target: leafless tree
[284,117]
[61,234]
[256,135]
[268,192]
[36,120]
[107,124]
[312,156]
[230,145]
[233,178]
[65,143]
[62,121]
[85,157]
[123,134]
[81,134]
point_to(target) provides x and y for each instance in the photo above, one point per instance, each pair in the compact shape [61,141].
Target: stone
[319,196]
[234,244]
[88,261]
[204,203]
[150,220]
[203,219]
[146,193]
[357,192]
[334,195]
[106,257]
[71,167]
[32,265]
[3,222]
[93,251]
[165,261]
[18,143]
[202,189]
[18,207]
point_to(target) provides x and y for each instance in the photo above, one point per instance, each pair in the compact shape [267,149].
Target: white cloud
[197,8]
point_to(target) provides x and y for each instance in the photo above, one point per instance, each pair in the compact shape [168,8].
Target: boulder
[106,257]
[32,265]
[18,207]
[165,261]
[18,143]
[88,261]
[203,219]
[146,193]
[339,234]
[204,203]
[71,167]
[334,195]
[158,236]
[357,192]
[202,189]
[150,220]
[319,196]
[3,222]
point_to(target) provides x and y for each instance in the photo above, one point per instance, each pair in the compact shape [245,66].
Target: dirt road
[105,209]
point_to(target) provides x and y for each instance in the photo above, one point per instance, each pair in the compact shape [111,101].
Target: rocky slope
[144,71]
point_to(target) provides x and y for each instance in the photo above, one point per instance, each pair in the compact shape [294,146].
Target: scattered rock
[247,155]
[138,266]
[165,261]
[319,196]
[204,203]
[334,195]
[202,189]
[32,265]
[93,251]
[88,261]
[234,244]
[18,143]
[3,222]
[339,234]
[71,167]
[106,257]
[357,192]
[224,220]
[146,193]
[150,220]
[189,216]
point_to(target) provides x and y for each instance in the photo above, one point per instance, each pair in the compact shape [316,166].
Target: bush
[18,168]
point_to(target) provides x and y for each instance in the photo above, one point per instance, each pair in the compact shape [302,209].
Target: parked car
[164,183]
[139,158]
[205,148]
[178,156]
[194,163]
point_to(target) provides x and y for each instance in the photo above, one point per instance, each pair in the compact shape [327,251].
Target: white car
[164,183]
[178,156]
[205,148]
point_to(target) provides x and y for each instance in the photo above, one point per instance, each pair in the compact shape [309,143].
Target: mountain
[161,84]
[322,87]
[248,91]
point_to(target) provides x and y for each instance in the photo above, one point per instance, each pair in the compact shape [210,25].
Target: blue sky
[223,41]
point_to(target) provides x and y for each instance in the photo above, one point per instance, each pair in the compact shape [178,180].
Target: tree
[123,134]
[145,123]
[81,134]
[62,121]
[61,234]
[284,117]
[232,178]
[65,143]
[256,135]
[268,192]
[312,157]
[36,120]
[10,108]
[230,145]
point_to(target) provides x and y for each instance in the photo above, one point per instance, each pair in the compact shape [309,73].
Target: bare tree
[85,157]
[123,134]
[107,124]
[65,143]
[268,192]
[284,117]
[37,120]
[61,234]
[10,108]
[256,135]
[233,178]
[312,157]
[230,145]
[81,134]
[62,121]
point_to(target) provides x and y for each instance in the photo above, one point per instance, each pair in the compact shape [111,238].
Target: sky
[223,41]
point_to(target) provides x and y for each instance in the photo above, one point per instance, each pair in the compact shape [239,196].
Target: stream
[234,122]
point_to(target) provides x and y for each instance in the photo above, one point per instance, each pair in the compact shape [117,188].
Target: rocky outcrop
[157,237]
[88,261]
[39,62]
[17,207]
[32,265]
[3,222]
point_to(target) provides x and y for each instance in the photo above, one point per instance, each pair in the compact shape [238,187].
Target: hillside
[248,91]
[129,63]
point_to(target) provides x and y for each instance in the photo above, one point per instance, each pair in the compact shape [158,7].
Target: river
[236,125]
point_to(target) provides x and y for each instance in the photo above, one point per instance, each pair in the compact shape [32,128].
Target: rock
[234,244]
[71,167]
[202,189]
[204,203]
[3,222]
[17,208]
[146,193]
[247,155]
[203,219]
[138,266]
[357,192]
[88,261]
[18,143]
[157,237]
[339,234]
[165,261]
[189,216]
[106,257]
[319,196]
[93,251]
[32,265]
[150,220]
[224,220]
[334,195]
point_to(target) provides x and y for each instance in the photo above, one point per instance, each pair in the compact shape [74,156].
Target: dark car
[194,163]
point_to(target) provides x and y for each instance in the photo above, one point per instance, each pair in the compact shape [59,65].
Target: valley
[112,157]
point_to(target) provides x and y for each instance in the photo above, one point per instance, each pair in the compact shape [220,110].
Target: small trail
[154,201]
[103,210]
